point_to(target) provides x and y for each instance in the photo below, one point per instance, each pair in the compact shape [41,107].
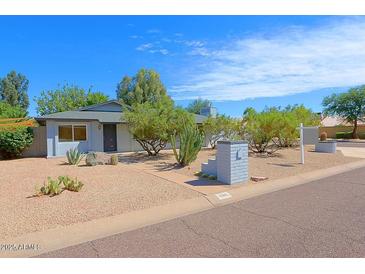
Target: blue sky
[235,61]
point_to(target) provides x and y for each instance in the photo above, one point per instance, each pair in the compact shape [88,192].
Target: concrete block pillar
[232,161]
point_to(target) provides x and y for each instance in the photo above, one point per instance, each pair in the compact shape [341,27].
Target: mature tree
[150,125]
[197,105]
[349,105]
[8,111]
[14,88]
[145,86]
[219,128]
[67,98]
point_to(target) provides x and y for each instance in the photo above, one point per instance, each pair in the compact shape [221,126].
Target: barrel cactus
[191,141]
[114,160]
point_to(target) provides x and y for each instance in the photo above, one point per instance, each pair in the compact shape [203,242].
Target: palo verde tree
[67,97]
[149,123]
[219,128]
[197,105]
[14,90]
[149,111]
[349,105]
[145,86]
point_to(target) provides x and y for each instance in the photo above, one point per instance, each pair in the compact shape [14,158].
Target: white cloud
[135,36]
[144,47]
[161,51]
[286,61]
[193,43]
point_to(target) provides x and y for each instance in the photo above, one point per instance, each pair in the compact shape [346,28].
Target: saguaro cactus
[191,140]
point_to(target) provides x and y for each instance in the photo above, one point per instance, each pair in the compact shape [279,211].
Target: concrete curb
[78,233]
[253,190]
[53,239]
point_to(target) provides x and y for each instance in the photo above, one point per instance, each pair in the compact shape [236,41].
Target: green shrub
[13,141]
[221,127]
[343,135]
[274,127]
[51,188]
[191,141]
[205,175]
[74,156]
[9,111]
[212,177]
[260,129]
[114,160]
[70,184]
[198,173]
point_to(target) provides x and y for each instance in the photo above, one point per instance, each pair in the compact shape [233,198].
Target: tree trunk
[354,131]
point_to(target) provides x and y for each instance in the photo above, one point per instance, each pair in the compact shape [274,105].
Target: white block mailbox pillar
[232,161]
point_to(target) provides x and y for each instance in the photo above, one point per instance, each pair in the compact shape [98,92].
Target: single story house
[98,127]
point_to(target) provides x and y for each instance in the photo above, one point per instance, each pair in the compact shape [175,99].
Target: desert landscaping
[283,163]
[116,189]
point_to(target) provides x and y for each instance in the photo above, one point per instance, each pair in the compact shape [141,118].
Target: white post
[301,144]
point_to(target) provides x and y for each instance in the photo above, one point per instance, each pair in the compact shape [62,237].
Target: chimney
[209,111]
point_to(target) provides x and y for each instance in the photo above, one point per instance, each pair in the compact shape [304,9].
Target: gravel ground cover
[108,190]
[283,163]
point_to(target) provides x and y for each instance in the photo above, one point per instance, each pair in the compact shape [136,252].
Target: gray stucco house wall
[101,128]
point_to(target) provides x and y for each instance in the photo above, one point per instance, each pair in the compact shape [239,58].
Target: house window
[72,133]
[65,133]
[79,133]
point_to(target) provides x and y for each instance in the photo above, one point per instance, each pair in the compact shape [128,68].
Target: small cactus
[114,160]
[70,184]
[51,188]
[74,156]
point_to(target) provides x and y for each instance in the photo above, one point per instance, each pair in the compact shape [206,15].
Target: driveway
[325,218]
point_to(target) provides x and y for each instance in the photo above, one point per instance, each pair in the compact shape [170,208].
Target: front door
[110,137]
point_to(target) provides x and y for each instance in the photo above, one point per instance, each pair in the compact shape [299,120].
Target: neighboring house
[336,121]
[99,127]
[334,124]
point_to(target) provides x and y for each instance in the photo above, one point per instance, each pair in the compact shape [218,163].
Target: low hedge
[13,141]
[348,135]
[343,135]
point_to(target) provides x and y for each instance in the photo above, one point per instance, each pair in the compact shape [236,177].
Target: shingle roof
[101,116]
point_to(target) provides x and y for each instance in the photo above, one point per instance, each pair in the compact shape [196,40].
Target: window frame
[73,134]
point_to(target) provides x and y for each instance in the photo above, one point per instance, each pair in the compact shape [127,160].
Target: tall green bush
[274,127]
[9,111]
[259,129]
[13,141]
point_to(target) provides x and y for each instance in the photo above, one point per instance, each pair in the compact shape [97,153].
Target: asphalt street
[324,218]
